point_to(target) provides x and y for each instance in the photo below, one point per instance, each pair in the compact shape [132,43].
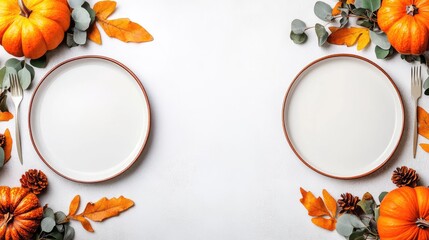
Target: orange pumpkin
[33,27]
[404,214]
[20,213]
[406,24]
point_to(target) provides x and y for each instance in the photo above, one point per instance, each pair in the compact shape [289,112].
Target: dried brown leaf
[104,9]
[125,30]
[106,208]
[94,34]
[85,223]
[74,205]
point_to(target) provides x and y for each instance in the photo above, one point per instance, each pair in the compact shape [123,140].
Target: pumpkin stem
[7,218]
[24,10]
[422,223]
[412,10]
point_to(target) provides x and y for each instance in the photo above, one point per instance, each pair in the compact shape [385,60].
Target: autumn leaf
[423,122]
[123,28]
[318,209]
[425,147]
[314,206]
[5,116]
[8,145]
[326,223]
[106,208]
[335,10]
[94,34]
[350,1]
[74,205]
[330,202]
[85,223]
[349,37]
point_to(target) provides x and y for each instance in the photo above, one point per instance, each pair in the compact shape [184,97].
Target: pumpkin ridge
[53,33]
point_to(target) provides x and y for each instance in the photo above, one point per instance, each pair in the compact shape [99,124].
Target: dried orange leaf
[349,37]
[5,116]
[106,208]
[314,206]
[350,1]
[74,205]
[330,203]
[425,147]
[94,34]
[85,223]
[335,10]
[326,223]
[125,30]
[104,9]
[8,145]
[423,121]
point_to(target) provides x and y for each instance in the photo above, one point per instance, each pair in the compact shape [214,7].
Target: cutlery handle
[415,132]
[18,138]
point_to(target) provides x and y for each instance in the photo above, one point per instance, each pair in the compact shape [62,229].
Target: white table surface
[217,165]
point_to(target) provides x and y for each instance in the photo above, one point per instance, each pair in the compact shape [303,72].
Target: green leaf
[427,92]
[323,11]
[69,41]
[376,213]
[346,223]
[1,157]
[372,5]
[79,37]
[31,70]
[47,224]
[358,235]
[367,206]
[75,3]
[426,84]
[6,80]
[298,38]
[91,12]
[380,39]
[60,217]
[381,196]
[298,26]
[381,53]
[359,11]
[3,102]
[364,23]
[48,212]
[60,227]
[68,233]
[2,76]
[344,21]
[24,78]
[14,63]
[322,34]
[82,18]
[40,62]
[55,235]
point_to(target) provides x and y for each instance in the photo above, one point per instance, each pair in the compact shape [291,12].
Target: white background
[217,165]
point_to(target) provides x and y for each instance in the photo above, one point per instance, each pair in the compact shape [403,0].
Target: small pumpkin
[406,24]
[20,213]
[404,214]
[31,27]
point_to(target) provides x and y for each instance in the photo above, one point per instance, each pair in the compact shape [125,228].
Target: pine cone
[34,180]
[348,204]
[404,176]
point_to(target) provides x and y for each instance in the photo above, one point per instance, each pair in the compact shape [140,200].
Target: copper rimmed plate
[343,116]
[89,118]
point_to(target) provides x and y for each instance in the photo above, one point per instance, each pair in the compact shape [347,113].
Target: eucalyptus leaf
[40,62]
[82,18]
[60,227]
[322,34]
[381,196]
[359,11]
[344,11]
[364,23]
[298,38]
[91,12]
[76,3]
[426,84]
[346,223]
[323,11]
[358,235]
[79,37]
[298,26]
[3,102]
[1,157]
[47,224]
[376,213]
[2,76]
[31,70]
[55,235]
[14,63]
[344,21]
[48,212]
[381,53]
[380,39]
[68,233]
[60,217]
[371,5]
[69,41]
[24,77]
[427,92]
[6,80]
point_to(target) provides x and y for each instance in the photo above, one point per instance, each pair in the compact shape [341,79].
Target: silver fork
[17,95]
[416,93]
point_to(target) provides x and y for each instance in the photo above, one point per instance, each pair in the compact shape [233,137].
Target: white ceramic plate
[343,116]
[89,119]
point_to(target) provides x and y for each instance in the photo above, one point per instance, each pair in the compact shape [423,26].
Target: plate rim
[140,84]
[290,89]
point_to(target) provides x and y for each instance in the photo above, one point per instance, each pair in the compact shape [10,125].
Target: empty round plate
[343,116]
[89,118]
